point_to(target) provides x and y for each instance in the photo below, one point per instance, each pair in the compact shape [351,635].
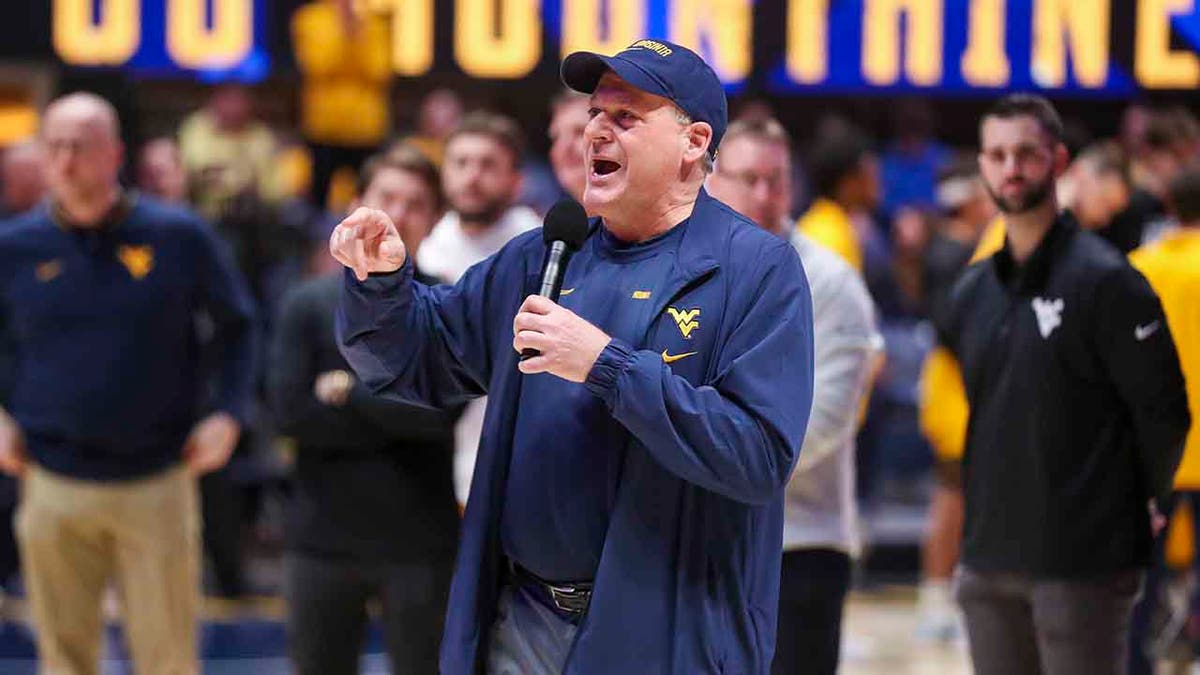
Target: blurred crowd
[906,211]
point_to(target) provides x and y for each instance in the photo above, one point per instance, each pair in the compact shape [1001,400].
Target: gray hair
[706,162]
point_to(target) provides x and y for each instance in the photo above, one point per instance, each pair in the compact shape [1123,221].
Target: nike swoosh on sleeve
[1140,333]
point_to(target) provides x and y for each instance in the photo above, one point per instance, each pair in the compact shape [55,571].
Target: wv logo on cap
[654,46]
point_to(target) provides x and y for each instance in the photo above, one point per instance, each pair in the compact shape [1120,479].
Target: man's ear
[699,137]
[1062,159]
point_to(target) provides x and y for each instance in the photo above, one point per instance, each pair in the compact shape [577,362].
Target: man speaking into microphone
[626,511]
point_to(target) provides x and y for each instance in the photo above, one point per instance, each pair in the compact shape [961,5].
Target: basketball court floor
[248,639]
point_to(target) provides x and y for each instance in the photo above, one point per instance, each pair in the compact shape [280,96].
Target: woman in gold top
[344,59]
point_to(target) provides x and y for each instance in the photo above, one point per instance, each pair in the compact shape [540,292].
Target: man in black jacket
[1078,416]
[374,516]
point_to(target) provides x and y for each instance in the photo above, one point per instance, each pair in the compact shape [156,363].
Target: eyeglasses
[750,180]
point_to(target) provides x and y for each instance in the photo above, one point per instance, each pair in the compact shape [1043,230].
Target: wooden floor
[877,638]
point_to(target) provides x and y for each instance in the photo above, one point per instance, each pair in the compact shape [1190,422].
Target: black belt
[568,598]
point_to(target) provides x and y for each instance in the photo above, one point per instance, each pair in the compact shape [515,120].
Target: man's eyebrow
[617,96]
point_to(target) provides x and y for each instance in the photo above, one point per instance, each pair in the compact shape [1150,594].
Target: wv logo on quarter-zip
[139,260]
[48,271]
[685,319]
[1049,314]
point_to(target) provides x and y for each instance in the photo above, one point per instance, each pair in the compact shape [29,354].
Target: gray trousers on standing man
[1019,625]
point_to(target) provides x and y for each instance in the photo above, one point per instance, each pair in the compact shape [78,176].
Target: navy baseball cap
[660,68]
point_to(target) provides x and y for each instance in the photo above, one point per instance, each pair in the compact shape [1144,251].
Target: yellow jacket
[221,165]
[943,399]
[1172,266]
[827,223]
[346,77]
[943,405]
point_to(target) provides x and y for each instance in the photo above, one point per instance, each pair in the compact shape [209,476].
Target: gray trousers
[1017,625]
[527,637]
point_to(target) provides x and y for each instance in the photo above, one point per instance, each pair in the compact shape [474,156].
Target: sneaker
[938,618]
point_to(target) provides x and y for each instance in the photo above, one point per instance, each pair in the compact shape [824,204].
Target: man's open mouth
[603,167]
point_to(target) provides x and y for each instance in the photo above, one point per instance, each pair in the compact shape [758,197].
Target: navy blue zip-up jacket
[106,380]
[688,578]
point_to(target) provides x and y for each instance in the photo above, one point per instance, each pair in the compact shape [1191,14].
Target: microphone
[564,232]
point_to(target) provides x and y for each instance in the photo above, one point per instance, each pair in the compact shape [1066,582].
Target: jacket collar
[701,236]
[1031,277]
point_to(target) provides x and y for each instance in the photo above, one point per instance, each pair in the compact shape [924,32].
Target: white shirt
[448,250]
[446,254]
[819,502]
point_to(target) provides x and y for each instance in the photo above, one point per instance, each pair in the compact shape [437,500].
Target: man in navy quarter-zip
[99,289]
[626,513]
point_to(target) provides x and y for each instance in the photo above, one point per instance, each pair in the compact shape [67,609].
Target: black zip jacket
[373,477]
[1078,407]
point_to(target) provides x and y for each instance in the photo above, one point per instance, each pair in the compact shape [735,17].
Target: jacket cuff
[614,360]
[380,282]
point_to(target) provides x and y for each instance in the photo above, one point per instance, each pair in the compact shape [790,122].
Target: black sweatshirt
[373,477]
[1078,408]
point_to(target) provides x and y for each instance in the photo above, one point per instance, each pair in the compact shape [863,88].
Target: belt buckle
[570,598]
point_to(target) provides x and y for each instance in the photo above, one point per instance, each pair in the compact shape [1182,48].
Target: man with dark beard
[1078,414]
[481,177]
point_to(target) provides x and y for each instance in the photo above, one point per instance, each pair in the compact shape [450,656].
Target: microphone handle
[553,271]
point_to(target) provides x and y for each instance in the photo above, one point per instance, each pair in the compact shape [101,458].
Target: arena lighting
[880,44]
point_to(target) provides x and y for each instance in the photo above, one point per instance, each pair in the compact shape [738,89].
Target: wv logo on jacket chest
[1049,314]
[685,319]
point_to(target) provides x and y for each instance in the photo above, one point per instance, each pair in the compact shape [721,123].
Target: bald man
[22,184]
[100,288]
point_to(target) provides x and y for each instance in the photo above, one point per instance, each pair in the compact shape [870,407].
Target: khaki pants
[144,534]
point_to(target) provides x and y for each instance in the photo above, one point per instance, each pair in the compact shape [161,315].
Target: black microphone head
[567,222]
